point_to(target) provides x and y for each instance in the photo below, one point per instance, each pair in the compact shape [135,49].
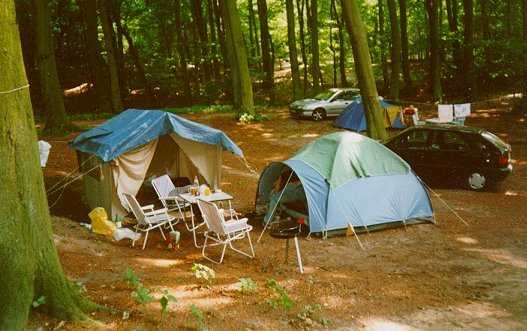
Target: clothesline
[15,89]
[429,104]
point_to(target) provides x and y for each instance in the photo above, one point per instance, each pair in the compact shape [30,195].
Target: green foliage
[281,298]
[130,277]
[164,301]
[142,295]
[39,301]
[203,273]
[202,109]
[198,316]
[247,118]
[247,286]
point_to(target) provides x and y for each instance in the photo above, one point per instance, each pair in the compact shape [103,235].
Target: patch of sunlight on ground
[378,324]
[501,256]
[467,240]
[333,301]
[310,135]
[163,263]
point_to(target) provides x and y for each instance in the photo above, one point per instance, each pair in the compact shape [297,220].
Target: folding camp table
[192,199]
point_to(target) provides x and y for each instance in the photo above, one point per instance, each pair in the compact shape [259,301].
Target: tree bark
[183,54]
[265,39]
[106,23]
[134,53]
[119,47]
[364,71]
[28,258]
[242,85]
[96,64]
[253,30]
[395,51]
[468,47]
[403,12]
[50,89]
[300,5]
[291,42]
[213,41]
[315,52]
[199,23]
[384,63]
[432,7]
[452,14]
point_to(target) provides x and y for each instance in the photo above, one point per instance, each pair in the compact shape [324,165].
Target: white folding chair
[147,218]
[169,196]
[222,232]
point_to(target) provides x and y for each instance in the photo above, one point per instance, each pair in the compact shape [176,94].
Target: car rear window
[495,140]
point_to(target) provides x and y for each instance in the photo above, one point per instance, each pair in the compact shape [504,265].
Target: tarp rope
[16,89]
[446,204]
[69,175]
[68,183]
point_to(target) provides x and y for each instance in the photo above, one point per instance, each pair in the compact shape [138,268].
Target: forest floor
[447,276]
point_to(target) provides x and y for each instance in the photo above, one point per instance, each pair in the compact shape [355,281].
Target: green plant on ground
[164,301]
[203,273]
[281,299]
[130,277]
[198,316]
[247,286]
[201,109]
[313,313]
[39,301]
[247,118]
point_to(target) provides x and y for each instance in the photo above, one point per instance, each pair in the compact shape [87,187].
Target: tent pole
[274,208]
[356,236]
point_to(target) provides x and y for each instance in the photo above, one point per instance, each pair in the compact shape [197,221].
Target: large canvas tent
[119,154]
[354,119]
[351,179]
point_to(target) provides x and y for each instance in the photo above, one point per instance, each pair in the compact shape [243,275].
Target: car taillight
[503,160]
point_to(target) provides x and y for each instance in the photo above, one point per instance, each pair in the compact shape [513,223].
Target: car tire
[318,114]
[477,181]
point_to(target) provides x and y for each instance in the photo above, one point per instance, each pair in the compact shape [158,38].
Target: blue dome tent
[354,119]
[351,179]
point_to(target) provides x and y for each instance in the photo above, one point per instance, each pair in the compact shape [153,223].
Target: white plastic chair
[147,218]
[169,196]
[223,232]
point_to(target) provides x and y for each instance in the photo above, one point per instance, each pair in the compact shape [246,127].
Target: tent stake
[350,227]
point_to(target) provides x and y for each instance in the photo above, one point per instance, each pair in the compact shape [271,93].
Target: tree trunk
[134,53]
[183,54]
[265,38]
[119,49]
[253,30]
[468,47]
[213,42]
[452,13]
[242,85]
[363,68]
[291,42]
[524,9]
[95,62]
[395,51]
[432,8]
[109,44]
[50,89]
[199,22]
[300,4]
[28,258]
[403,12]
[384,63]
[315,53]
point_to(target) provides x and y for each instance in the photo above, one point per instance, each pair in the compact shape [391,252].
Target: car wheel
[476,181]
[318,114]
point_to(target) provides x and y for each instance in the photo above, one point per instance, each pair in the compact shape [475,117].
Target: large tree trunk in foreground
[432,8]
[364,70]
[28,258]
[109,43]
[241,80]
[50,90]
[395,51]
[291,42]
[267,57]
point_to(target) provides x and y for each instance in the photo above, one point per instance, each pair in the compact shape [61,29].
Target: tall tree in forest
[253,30]
[384,62]
[312,19]
[28,258]
[395,51]
[109,43]
[364,70]
[266,44]
[452,14]
[432,8]
[403,13]
[237,54]
[50,90]
[300,5]
[96,65]
[183,54]
[468,47]
[291,42]
[524,10]
[200,26]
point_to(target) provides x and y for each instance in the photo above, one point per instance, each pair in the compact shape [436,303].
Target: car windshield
[324,95]
[495,140]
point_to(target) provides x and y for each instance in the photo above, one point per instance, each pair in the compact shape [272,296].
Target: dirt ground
[448,276]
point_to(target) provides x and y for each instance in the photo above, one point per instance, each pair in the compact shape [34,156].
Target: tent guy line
[14,90]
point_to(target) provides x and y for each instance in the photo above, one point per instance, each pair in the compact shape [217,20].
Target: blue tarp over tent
[136,127]
[354,119]
[385,190]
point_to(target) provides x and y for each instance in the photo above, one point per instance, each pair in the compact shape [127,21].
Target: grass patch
[201,109]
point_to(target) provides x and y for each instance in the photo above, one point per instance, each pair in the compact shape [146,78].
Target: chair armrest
[157,212]
[148,207]
[236,225]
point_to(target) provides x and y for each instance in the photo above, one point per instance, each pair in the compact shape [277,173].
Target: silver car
[330,103]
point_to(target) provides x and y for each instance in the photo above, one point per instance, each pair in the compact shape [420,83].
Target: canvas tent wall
[354,119]
[349,178]
[139,143]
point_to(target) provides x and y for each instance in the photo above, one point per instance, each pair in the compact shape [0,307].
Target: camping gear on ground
[100,223]
[410,116]
[43,150]
[122,233]
[221,231]
[350,178]
[354,119]
[214,197]
[137,144]
[288,230]
[147,218]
